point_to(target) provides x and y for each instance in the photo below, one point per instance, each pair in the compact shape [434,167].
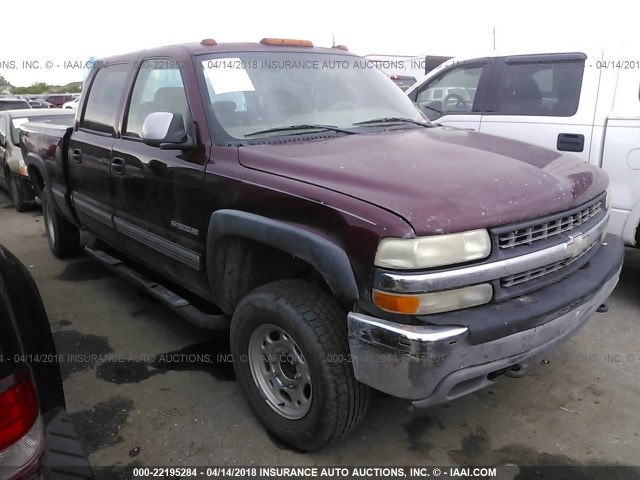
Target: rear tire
[291,357]
[63,236]
[18,194]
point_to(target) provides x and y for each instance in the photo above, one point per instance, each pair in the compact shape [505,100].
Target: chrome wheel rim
[280,371]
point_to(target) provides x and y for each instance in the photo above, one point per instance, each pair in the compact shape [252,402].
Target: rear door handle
[117,166]
[570,142]
[76,155]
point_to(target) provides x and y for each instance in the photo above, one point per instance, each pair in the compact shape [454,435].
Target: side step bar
[171,299]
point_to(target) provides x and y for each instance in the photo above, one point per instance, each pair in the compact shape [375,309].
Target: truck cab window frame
[101,110]
[154,92]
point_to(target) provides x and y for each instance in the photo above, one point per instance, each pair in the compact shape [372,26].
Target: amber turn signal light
[286,41]
[208,42]
[396,303]
[341,47]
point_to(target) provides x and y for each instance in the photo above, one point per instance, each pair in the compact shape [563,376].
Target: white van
[587,103]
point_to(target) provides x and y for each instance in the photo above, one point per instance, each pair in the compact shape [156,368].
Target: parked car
[346,242]
[582,102]
[403,81]
[58,100]
[72,104]
[13,170]
[41,104]
[9,103]
[36,438]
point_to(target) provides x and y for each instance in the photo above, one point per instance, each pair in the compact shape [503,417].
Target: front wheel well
[240,265]
[36,180]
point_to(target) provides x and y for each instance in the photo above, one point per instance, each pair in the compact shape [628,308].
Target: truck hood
[440,180]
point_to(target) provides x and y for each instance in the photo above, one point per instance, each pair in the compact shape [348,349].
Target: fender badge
[184,228]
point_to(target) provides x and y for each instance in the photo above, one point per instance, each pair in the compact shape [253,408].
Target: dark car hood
[440,180]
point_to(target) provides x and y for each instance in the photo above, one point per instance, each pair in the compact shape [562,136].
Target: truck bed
[41,138]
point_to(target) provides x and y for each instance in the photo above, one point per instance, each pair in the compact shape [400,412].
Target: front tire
[291,357]
[18,194]
[63,236]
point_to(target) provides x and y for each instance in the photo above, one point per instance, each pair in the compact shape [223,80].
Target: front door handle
[76,155]
[117,166]
[570,142]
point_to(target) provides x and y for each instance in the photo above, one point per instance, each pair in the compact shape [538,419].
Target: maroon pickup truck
[296,197]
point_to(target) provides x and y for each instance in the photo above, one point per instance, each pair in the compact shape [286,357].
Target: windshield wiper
[304,126]
[377,121]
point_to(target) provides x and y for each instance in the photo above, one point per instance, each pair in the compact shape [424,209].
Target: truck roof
[190,49]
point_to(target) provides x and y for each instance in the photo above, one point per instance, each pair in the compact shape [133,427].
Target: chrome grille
[532,274]
[542,231]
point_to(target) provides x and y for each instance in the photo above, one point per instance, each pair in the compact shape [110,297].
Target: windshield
[61,119]
[252,92]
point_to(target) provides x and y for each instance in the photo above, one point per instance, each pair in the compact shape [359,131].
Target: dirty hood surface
[440,180]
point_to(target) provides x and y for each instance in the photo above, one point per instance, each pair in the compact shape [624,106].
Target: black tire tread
[20,202]
[324,315]
[67,242]
[66,459]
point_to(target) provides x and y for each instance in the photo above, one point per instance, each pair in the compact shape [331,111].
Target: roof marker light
[291,42]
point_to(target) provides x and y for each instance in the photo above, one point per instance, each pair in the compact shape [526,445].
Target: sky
[70,33]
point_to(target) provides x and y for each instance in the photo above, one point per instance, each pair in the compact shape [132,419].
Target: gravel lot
[577,407]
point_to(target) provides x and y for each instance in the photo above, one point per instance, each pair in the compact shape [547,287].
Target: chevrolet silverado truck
[296,197]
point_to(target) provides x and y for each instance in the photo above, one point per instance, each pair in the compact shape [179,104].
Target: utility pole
[494,38]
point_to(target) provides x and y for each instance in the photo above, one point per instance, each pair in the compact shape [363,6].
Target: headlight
[607,201]
[434,302]
[22,168]
[426,252]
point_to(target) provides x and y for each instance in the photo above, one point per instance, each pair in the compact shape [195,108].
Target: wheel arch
[327,258]
[38,175]
[631,231]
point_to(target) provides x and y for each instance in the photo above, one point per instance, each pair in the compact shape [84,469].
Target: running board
[171,299]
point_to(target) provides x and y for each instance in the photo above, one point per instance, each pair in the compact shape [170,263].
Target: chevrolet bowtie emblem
[576,245]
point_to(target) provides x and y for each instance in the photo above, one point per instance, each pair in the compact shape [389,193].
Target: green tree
[34,88]
[4,82]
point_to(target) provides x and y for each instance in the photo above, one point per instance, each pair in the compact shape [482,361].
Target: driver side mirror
[167,131]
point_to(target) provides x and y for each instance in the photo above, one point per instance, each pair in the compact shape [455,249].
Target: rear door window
[105,96]
[541,87]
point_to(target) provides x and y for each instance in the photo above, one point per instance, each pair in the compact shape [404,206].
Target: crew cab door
[454,96]
[90,151]
[548,100]
[159,214]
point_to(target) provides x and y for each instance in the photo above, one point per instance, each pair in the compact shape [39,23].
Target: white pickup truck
[584,102]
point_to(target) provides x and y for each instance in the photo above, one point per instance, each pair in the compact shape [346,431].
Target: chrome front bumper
[435,364]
